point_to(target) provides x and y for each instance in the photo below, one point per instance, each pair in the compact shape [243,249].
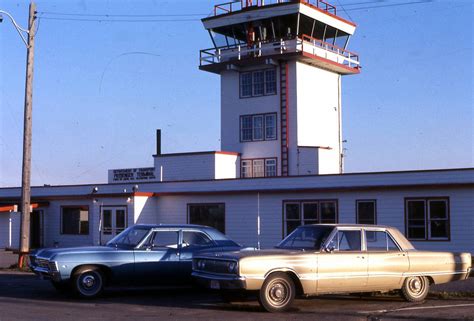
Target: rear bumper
[219,282]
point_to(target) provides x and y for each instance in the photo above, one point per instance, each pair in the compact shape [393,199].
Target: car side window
[346,241]
[195,239]
[379,241]
[164,239]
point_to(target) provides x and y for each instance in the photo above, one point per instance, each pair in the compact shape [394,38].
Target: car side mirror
[329,248]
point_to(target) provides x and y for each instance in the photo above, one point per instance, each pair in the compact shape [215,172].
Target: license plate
[215,285]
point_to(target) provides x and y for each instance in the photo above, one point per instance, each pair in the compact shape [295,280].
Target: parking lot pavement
[23,297]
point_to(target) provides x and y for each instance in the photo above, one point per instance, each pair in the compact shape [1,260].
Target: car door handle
[361,257]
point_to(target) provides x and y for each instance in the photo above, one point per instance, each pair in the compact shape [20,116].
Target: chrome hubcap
[416,286]
[278,293]
[88,281]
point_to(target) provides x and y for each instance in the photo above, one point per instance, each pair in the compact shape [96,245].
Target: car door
[342,267]
[192,242]
[387,262]
[157,261]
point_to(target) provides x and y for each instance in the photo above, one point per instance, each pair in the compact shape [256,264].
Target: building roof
[461,177]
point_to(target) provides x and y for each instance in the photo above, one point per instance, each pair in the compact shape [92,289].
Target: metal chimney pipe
[158,142]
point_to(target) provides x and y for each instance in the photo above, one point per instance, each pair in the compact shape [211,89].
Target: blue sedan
[140,255]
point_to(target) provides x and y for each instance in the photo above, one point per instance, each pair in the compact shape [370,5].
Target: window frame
[264,127]
[81,207]
[301,203]
[265,83]
[357,210]
[252,170]
[188,212]
[241,95]
[427,218]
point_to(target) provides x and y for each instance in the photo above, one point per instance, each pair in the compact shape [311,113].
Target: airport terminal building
[281,162]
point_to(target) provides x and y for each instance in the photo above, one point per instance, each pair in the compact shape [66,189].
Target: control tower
[281,64]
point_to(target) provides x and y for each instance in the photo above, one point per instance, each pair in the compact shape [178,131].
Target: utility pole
[27,126]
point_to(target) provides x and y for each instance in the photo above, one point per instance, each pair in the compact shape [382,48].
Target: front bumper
[219,282]
[45,274]
[48,270]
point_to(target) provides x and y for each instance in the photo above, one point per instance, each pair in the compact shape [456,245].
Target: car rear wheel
[88,282]
[415,288]
[277,292]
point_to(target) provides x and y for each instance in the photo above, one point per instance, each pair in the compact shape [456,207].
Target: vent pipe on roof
[158,142]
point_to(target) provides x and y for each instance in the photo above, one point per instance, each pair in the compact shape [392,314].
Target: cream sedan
[331,258]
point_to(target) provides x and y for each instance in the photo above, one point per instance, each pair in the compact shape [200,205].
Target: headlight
[232,267]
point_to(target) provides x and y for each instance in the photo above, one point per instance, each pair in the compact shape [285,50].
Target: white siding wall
[232,107]
[52,222]
[145,210]
[241,213]
[317,113]
[185,167]
[195,166]
[10,230]
[227,166]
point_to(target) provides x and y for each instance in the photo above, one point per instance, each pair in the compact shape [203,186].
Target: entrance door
[36,229]
[113,222]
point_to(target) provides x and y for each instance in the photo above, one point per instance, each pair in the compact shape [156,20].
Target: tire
[415,288]
[277,292]
[88,282]
[62,287]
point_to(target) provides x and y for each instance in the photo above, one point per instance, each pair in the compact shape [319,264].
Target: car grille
[213,266]
[42,263]
[45,264]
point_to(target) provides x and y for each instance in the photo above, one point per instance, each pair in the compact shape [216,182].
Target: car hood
[50,252]
[248,253]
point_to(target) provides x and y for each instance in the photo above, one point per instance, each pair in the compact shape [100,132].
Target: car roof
[174,226]
[353,225]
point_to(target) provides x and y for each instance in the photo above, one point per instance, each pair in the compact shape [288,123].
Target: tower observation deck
[251,31]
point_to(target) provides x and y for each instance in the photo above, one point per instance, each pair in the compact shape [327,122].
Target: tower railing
[233,6]
[304,45]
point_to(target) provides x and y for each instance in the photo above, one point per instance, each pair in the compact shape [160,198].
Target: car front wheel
[415,288]
[88,282]
[277,292]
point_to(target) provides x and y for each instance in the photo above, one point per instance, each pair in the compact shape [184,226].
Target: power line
[120,15]
[106,17]
[120,20]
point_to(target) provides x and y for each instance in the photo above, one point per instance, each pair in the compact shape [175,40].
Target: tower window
[258,83]
[271,167]
[270,126]
[258,127]
[246,84]
[259,167]
[270,82]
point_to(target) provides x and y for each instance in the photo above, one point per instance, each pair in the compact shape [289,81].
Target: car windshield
[129,238]
[310,237]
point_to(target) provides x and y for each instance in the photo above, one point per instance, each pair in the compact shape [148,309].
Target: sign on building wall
[132,174]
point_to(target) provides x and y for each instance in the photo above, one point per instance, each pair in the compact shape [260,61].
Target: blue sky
[101,89]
